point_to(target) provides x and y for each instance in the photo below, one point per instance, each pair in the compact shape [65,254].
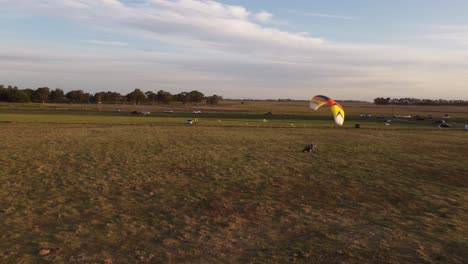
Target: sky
[257,49]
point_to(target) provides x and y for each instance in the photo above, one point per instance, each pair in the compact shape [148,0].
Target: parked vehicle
[140,113]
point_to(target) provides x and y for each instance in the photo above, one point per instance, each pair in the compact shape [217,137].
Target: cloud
[213,24]
[362,74]
[231,52]
[322,15]
[104,43]
[454,35]
[264,17]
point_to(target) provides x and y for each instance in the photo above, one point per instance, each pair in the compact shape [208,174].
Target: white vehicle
[145,113]
[197,112]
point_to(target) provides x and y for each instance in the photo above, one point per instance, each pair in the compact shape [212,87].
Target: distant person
[310,148]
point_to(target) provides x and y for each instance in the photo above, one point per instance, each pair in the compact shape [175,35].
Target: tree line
[137,96]
[415,101]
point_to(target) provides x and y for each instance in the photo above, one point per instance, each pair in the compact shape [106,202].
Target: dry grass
[282,108]
[152,194]
[234,114]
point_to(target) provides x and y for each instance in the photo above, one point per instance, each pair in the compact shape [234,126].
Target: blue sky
[357,49]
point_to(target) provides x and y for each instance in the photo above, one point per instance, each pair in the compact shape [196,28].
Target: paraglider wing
[336,108]
[318,101]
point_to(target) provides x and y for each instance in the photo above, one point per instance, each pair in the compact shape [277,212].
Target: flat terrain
[82,186]
[235,114]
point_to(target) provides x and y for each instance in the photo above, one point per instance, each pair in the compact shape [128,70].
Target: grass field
[81,186]
[233,114]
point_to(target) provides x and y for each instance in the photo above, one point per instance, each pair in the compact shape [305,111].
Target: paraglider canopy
[336,108]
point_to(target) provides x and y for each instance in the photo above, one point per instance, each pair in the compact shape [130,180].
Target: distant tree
[196,97]
[182,97]
[57,96]
[99,97]
[164,97]
[415,101]
[3,93]
[113,97]
[76,96]
[122,99]
[151,96]
[87,98]
[137,96]
[13,94]
[382,101]
[106,97]
[30,93]
[42,94]
[213,100]
[20,96]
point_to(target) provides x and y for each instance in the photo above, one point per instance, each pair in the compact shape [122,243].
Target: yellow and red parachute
[336,108]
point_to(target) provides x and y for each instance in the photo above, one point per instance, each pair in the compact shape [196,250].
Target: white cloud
[455,36]
[264,17]
[218,25]
[338,73]
[232,53]
[322,15]
[104,43]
